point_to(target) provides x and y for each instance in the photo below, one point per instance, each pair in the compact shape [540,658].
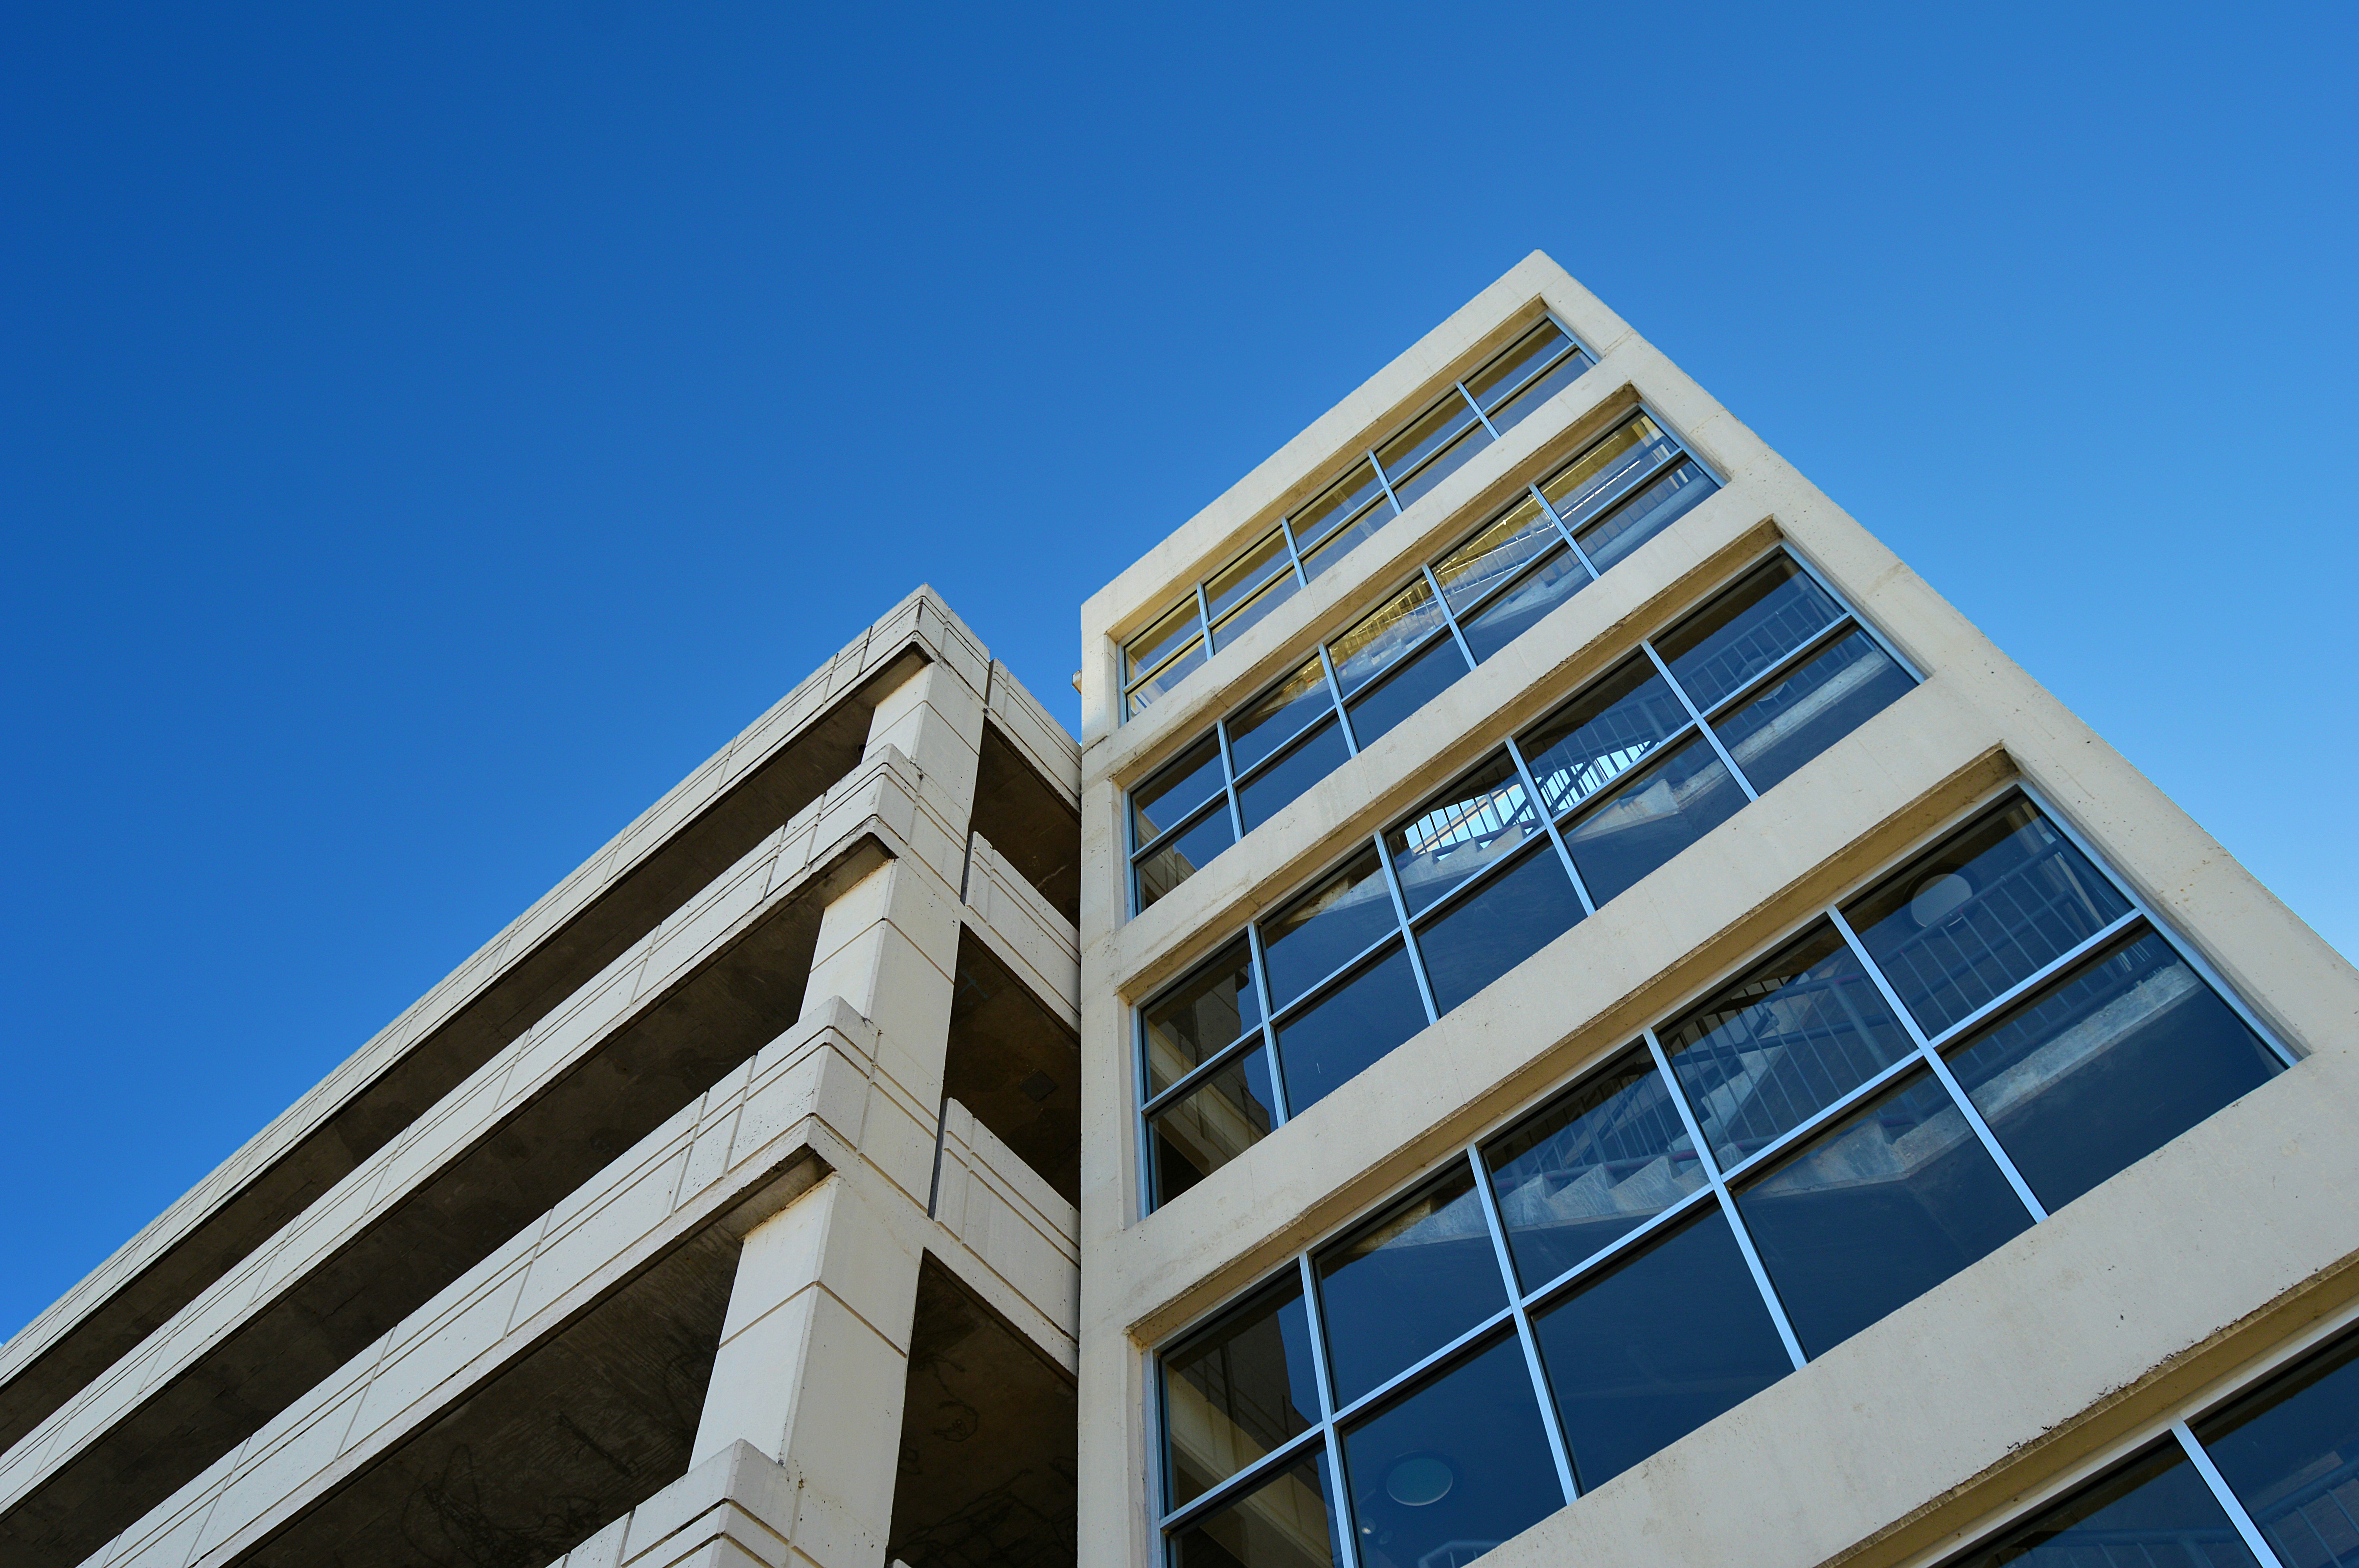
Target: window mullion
[1385,480]
[1697,718]
[1547,821]
[1965,1103]
[1565,533]
[1711,1165]
[1448,619]
[1293,552]
[2225,1495]
[1335,695]
[1408,940]
[1268,1029]
[1229,779]
[1485,418]
[1499,1249]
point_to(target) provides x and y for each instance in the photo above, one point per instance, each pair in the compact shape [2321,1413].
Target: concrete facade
[731,1206]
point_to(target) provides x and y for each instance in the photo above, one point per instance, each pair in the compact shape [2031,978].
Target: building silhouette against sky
[1567,1008]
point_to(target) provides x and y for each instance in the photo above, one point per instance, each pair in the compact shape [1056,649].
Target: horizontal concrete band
[815,1101]
[920,626]
[876,813]
[1024,931]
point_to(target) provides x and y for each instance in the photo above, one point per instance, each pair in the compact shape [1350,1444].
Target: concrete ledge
[1024,931]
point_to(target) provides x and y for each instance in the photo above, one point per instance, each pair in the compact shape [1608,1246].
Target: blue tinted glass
[1645,514]
[1510,414]
[1580,1174]
[1646,1353]
[1497,926]
[1596,738]
[1312,937]
[1278,715]
[1269,792]
[1442,465]
[1502,548]
[1454,1469]
[1192,1021]
[1180,786]
[1346,496]
[1478,821]
[1505,618]
[1431,671]
[1237,1390]
[1781,1042]
[1210,1126]
[1282,1524]
[1279,591]
[1593,481]
[1383,635]
[1674,803]
[1428,433]
[1265,562]
[1408,1283]
[1981,911]
[2154,1512]
[1181,856]
[1160,684]
[1494,383]
[2125,1056]
[1879,1208]
[1766,615]
[2289,1451]
[1811,708]
[1334,546]
[1157,643]
[1333,1040]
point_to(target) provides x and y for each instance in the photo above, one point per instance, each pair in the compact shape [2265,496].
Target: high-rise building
[1567,1008]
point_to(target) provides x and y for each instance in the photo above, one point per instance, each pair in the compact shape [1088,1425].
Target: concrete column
[814,1363]
[935,718]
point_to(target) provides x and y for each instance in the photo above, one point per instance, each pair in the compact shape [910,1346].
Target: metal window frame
[1718,1189]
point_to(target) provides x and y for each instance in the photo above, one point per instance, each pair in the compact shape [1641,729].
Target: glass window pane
[1334,1040]
[1269,792]
[1505,618]
[1876,1210]
[1811,708]
[1592,740]
[1237,582]
[1528,354]
[1497,926]
[1384,636]
[1282,1524]
[1781,1042]
[1661,503]
[1456,1468]
[1476,822]
[1408,1283]
[1193,1020]
[1184,853]
[1279,591]
[1440,465]
[1510,414]
[1981,911]
[1317,558]
[1211,1125]
[1582,1173]
[2289,1450]
[1656,1345]
[2107,1067]
[1426,674]
[1279,714]
[1155,688]
[2154,1511]
[1676,801]
[1156,643]
[1495,554]
[1429,432]
[1765,616]
[1179,787]
[1339,501]
[1311,937]
[1604,473]
[1236,1389]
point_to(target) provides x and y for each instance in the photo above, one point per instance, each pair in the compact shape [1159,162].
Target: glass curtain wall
[1381,483]
[1467,604]
[1561,818]
[1919,1074]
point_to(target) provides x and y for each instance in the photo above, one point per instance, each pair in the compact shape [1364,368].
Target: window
[1472,601]
[1557,822]
[1754,1180]
[1378,485]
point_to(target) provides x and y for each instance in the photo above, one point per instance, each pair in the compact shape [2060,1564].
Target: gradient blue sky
[431,431]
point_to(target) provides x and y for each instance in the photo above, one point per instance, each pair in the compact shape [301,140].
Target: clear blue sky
[431,431]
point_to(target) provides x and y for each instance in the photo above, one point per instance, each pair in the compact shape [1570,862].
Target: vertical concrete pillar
[814,1363]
